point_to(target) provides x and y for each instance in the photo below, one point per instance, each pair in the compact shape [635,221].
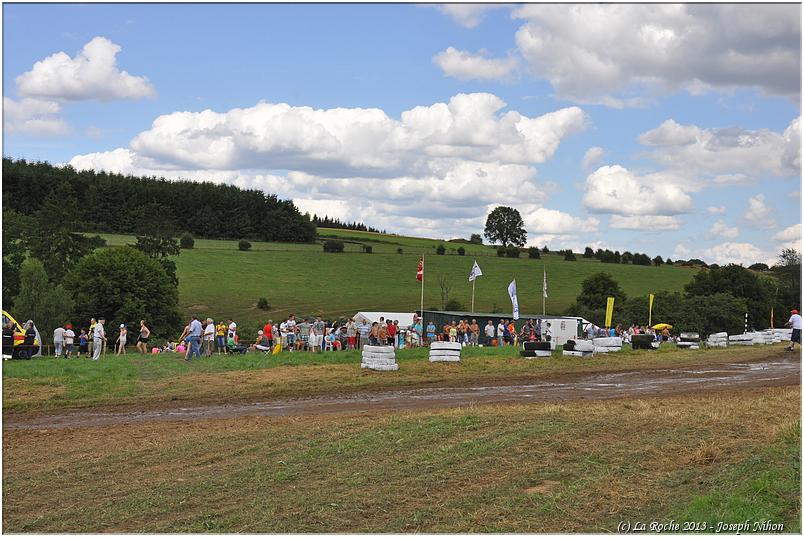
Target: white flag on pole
[514,302]
[475,272]
[544,286]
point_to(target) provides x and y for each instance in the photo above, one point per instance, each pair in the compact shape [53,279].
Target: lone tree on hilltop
[505,225]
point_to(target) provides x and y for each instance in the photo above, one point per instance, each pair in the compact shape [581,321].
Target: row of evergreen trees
[114,203]
[335,223]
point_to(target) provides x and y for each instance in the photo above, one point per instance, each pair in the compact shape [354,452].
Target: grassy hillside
[218,280]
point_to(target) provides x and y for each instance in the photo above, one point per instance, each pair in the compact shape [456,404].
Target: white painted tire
[607,349]
[607,342]
[383,355]
[582,345]
[445,358]
[378,362]
[378,349]
[578,354]
[445,353]
[445,346]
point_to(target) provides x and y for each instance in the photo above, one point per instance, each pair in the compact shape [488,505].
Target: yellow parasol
[662,326]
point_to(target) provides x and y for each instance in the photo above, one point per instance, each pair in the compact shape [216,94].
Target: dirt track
[779,370]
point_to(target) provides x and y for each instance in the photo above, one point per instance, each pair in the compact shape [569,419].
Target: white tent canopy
[405,319]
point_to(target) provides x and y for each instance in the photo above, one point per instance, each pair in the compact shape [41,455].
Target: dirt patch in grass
[33,391]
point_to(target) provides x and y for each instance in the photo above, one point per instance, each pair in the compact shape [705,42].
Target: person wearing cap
[120,348]
[69,339]
[58,340]
[795,324]
[98,337]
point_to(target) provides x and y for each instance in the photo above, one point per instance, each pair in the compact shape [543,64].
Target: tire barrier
[689,340]
[536,346]
[536,354]
[379,358]
[642,341]
[445,351]
[719,339]
[604,345]
[577,353]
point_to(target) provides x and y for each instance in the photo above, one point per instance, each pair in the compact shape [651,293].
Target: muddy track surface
[777,371]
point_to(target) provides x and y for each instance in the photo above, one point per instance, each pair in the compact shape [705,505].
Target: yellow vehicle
[16,342]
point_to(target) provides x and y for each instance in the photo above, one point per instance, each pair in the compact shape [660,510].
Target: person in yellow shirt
[220,336]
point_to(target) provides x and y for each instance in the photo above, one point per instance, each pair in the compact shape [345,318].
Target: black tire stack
[536,349]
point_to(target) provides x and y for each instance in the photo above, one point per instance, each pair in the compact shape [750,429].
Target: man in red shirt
[391,332]
[268,333]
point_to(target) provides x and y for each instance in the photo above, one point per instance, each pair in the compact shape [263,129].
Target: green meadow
[219,280]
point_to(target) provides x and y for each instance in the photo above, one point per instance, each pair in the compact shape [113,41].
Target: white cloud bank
[616,190]
[467,66]
[437,170]
[610,51]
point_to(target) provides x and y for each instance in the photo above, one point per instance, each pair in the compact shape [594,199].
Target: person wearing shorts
[364,329]
[351,334]
[291,326]
[69,338]
[795,324]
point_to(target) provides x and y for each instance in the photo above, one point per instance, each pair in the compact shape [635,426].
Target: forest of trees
[115,203]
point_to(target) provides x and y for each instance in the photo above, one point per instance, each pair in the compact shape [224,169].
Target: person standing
[69,339]
[351,334]
[231,332]
[382,333]
[391,329]
[209,337]
[548,333]
[83,343]
[220,336]
[489,331]
[795,324]
[98,337]
[319,328]
[91,337]
[142,340]
[291,326]
[363,329]
[502,332]
[58,341]
[416,340]
[120,347]
[196,330]
[431,332]
[268,332]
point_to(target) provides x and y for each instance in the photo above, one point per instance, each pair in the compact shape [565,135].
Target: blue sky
[671,130]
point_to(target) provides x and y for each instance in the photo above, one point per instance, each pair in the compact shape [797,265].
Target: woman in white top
[121,341]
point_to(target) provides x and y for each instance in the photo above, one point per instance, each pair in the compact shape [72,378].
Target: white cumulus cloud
[644,223]
[33,116]
[544,221]
[720,209]
[592,157]
[742,253]
[616,190]
[730,156]
[758,212]
[722,230]
[467,15]
[467,66]
[91,74]
[790,234]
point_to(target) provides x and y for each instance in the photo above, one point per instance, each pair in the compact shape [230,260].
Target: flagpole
[473,295]
[544,300]
[422,303]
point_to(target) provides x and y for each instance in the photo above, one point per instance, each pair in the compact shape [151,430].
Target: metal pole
[422,303]
[746,323]
[473,295]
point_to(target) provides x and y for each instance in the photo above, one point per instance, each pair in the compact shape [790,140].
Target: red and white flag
[420,271]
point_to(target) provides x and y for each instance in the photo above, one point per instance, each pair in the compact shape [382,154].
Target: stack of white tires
[742,339]
[719,339]
[784,333]
[689,340]
[773,336]
[579,347]
[379,358]
[445,351]
[607,344]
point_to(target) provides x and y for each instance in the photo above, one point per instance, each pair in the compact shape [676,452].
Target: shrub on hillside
[533,253]
[512,251]
[454,305]
[500,252]
[461,250]
[441,250]
[569,256]
[399,250]
[367,249]
[186,242]
[333,246]
[263,304]
[244,245]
